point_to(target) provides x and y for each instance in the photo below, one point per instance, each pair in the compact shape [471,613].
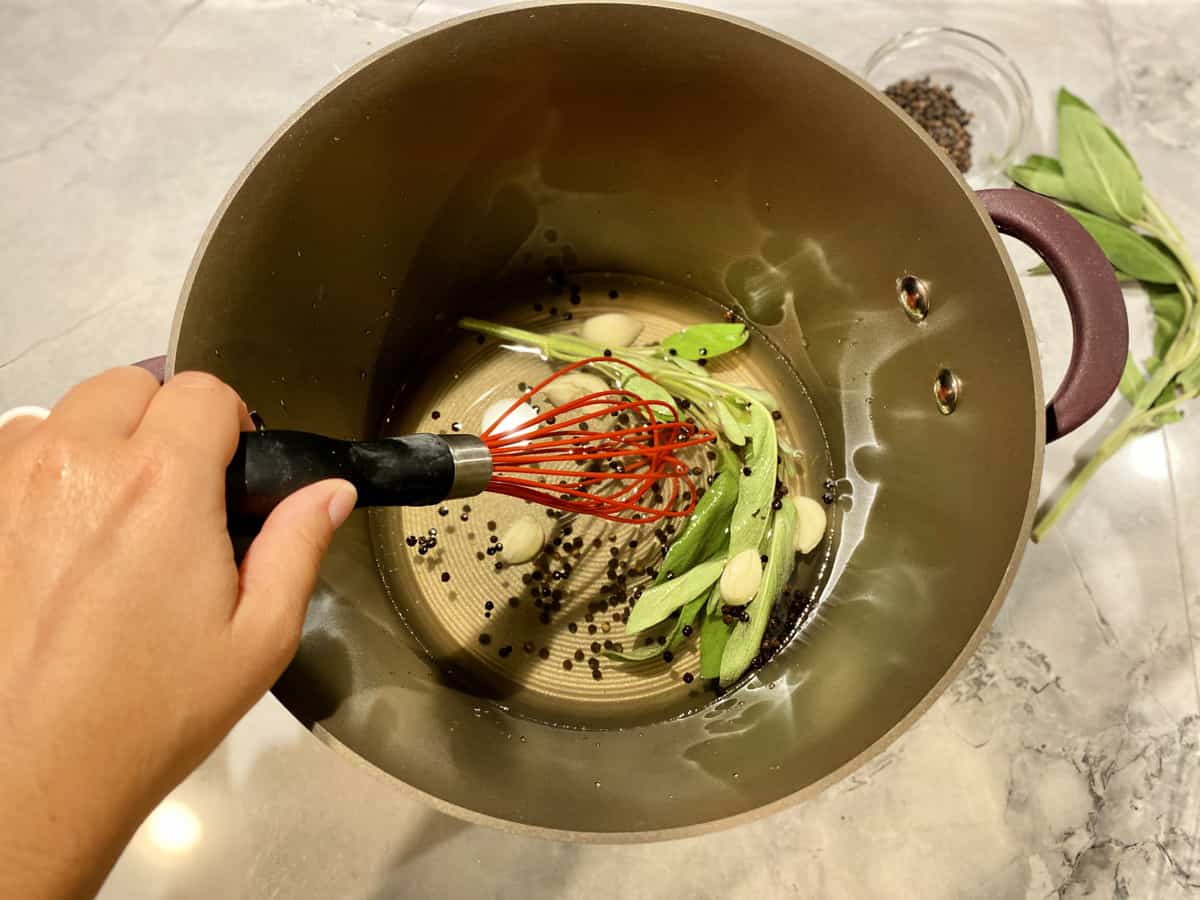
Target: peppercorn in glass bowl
[953,81]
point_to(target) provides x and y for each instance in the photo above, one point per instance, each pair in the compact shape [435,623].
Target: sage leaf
[1098,170]
[731,424]
[1127,250]
[1042,175]
[694,369]
[1169,312]
[766,398]
[660,600]
[711,516]
[1189,378]
[687,616]
[636,654]
[706,341]
[746,639]
[713,604]
[1065,96]
[650,390]
[756,488]
[1043,163]
[1132,380]
[714,634]
[1043,269]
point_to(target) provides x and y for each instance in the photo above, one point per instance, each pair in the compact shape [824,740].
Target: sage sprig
[1098,182]
[735,513]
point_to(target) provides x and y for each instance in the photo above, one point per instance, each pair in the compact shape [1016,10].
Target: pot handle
[1098,319]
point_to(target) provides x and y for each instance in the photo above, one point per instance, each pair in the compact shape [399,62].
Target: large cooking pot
[698,150]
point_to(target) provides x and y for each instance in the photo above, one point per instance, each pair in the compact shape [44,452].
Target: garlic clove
[810,524]
[741,577]
[522,541]
[611,329]
[573,385]
[497,417]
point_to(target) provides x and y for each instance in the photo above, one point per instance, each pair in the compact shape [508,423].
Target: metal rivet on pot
[914,297]
[946,390]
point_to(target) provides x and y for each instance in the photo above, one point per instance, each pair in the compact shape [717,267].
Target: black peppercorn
[935,109]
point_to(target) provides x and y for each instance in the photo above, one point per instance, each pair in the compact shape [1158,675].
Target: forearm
[62,824]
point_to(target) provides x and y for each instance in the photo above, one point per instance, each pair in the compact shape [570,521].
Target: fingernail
[341,504]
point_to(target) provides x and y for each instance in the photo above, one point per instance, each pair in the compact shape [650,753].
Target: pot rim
[886,740]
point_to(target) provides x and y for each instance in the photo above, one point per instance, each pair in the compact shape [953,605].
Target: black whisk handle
[414,470]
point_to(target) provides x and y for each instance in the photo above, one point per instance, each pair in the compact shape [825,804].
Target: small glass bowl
[986,82]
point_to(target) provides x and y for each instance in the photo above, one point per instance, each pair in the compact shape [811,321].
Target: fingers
[111,403]
[198,414]
[280,570]
[19,422]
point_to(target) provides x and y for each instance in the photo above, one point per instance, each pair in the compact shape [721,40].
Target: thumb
[280,569]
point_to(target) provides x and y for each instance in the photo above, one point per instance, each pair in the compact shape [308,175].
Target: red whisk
[556,459]
[610,454]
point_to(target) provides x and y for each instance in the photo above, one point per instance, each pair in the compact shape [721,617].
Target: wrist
[63,823]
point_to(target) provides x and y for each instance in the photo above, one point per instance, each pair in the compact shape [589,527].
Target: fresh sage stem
[1183,352]
[1098,182]
[735,513]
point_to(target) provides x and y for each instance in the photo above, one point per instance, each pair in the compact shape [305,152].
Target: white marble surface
[1065,761]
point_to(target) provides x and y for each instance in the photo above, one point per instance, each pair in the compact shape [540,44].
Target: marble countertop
[1065,760]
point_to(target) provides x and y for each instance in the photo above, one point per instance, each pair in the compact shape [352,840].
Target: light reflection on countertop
[173,828]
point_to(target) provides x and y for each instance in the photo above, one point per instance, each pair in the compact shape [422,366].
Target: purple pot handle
[1098,320]
[156,366]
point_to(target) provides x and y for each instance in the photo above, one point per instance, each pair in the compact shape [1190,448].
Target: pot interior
[670,154]
[535,637]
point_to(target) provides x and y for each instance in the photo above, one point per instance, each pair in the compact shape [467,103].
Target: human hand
[130,640]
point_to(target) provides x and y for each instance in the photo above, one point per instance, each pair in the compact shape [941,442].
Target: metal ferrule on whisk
[472,465]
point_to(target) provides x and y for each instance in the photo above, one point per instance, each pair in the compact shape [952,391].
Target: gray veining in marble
[1064,762]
